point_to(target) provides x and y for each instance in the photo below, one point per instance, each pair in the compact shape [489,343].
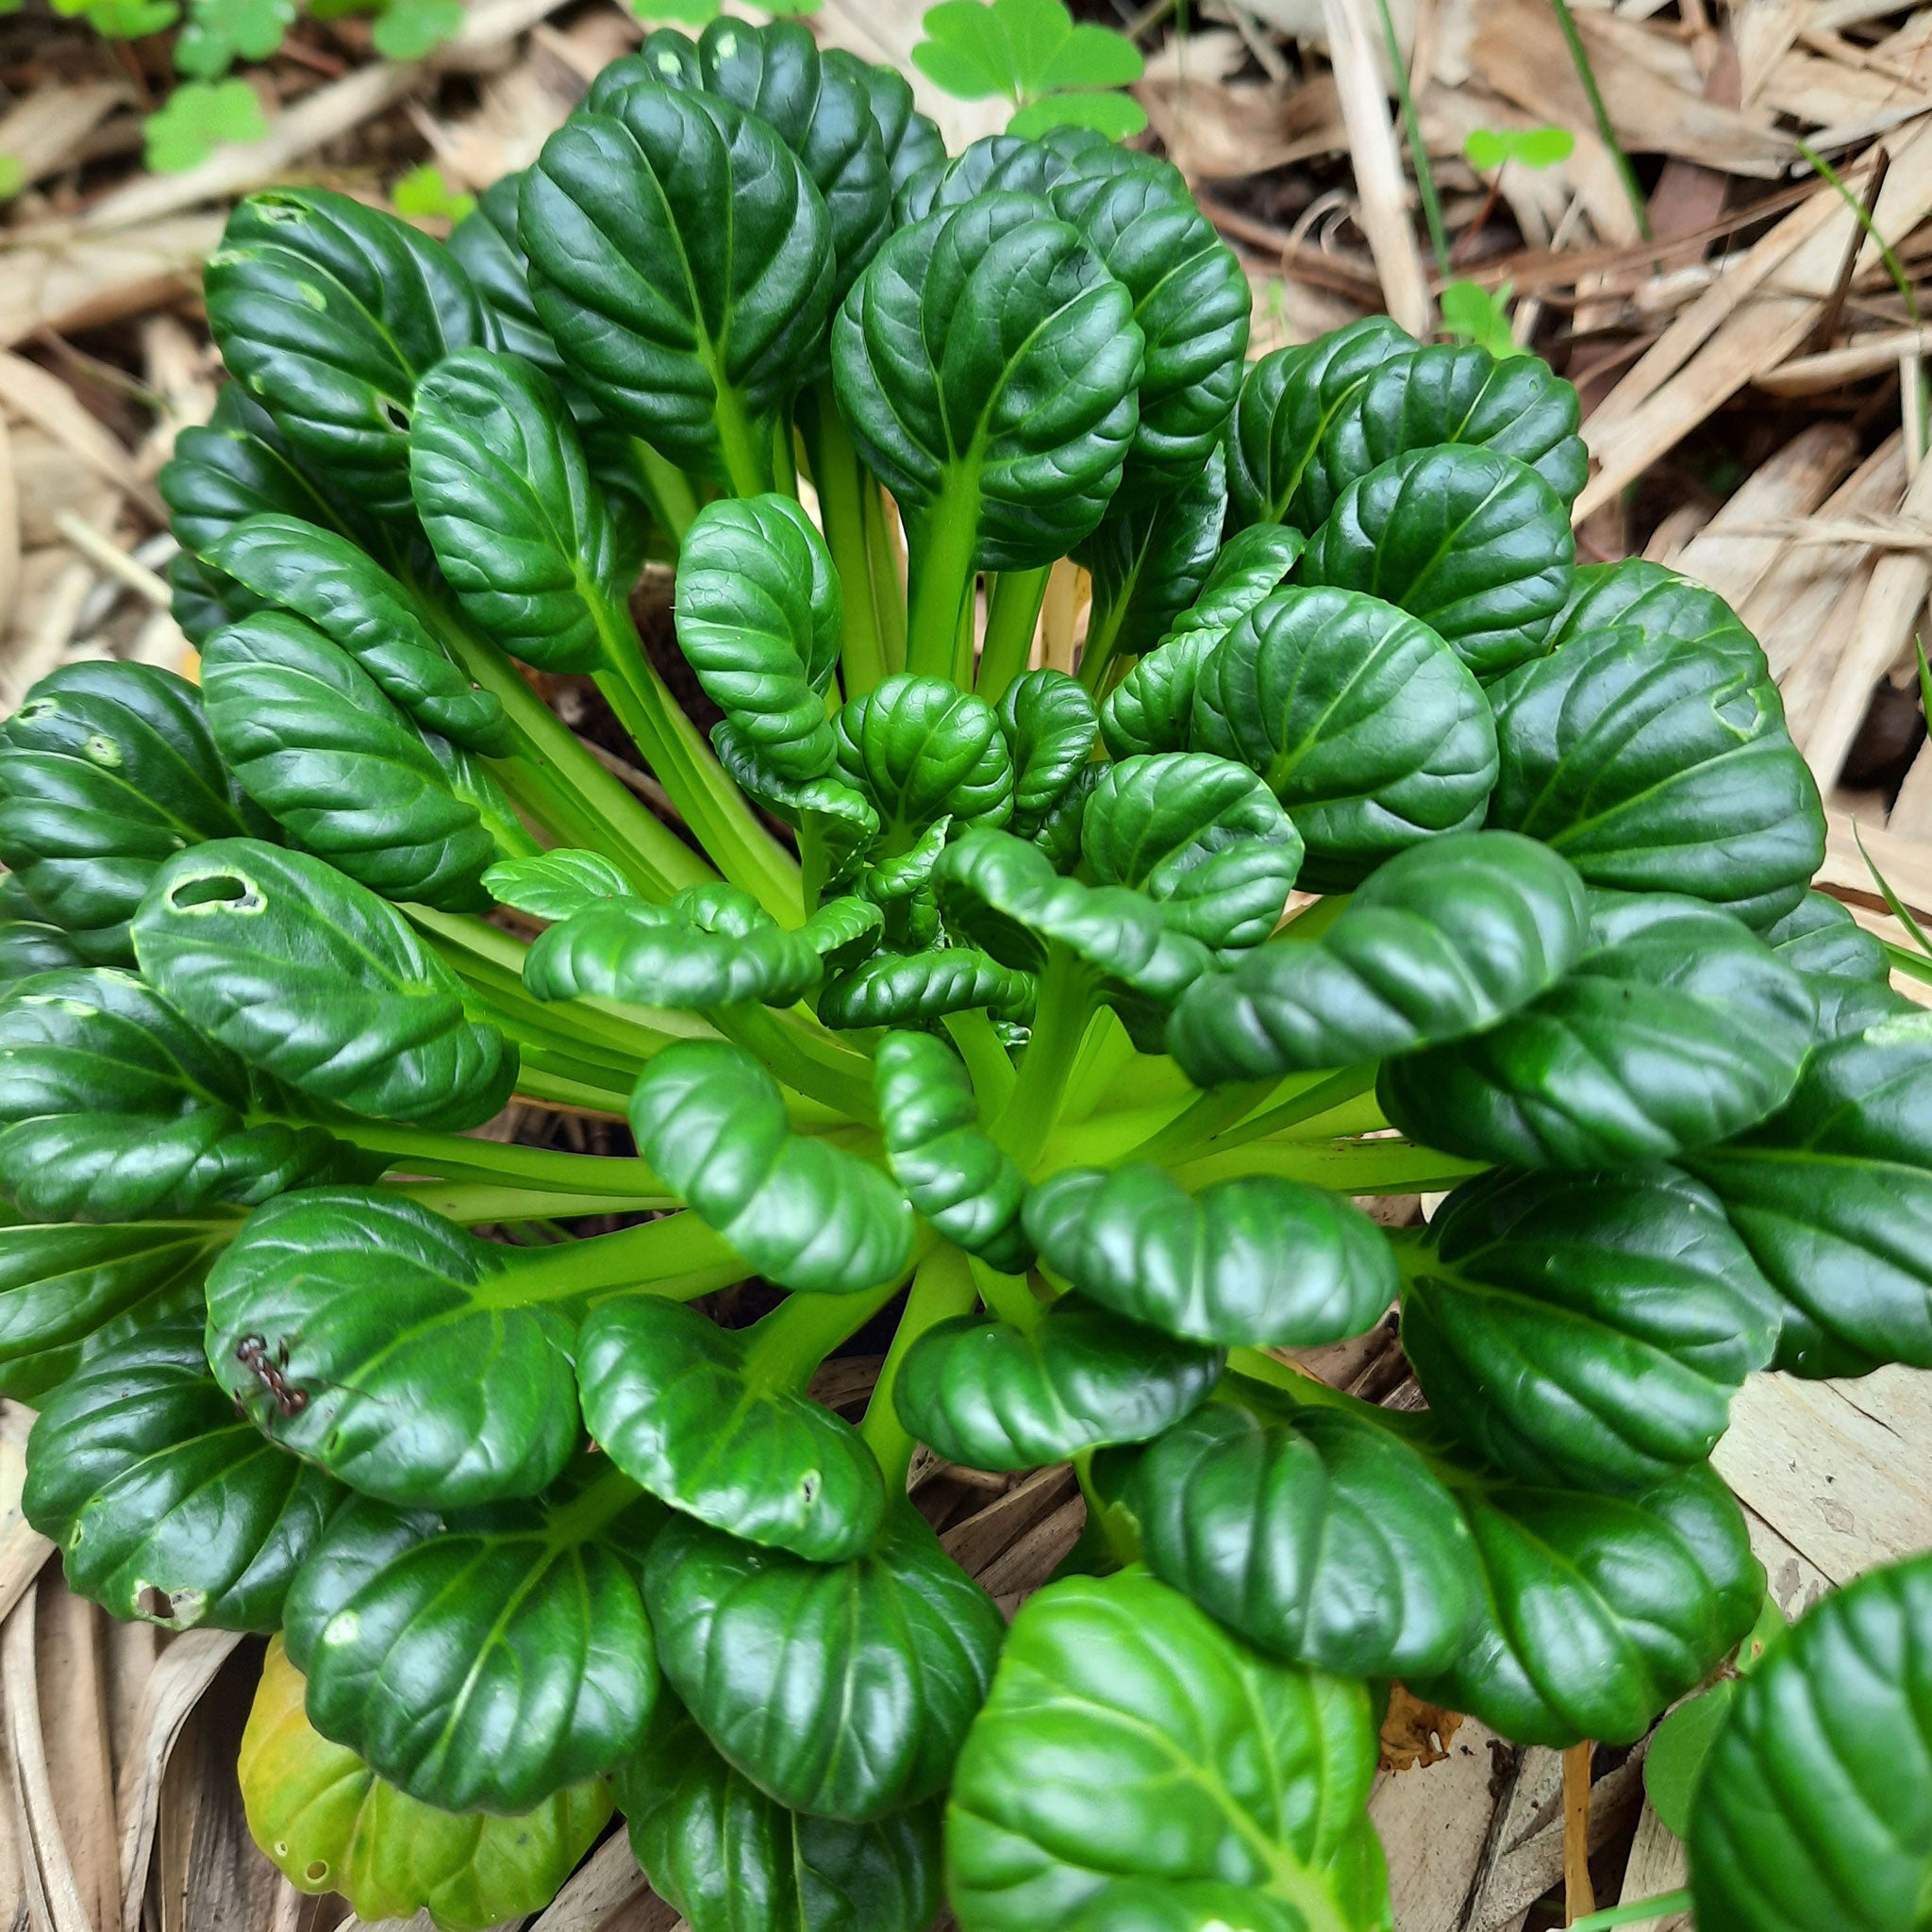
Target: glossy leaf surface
[1150,560]
[1136,1765]
[560,882]
[1365,725]
[332,1825]
[989,1396]
[731,1859]
[113,1105]
[1475,544]
[106,771]
[1441,941]
[166,1504]
[330,313]
[839,1688]
[364,1303]
[1319,1537]
[1660,765]
[919,750]
[478,1662]
[1815,1807]
[315,980]
[1586,1332]
[1050,725]
[1258,1260]
[810,1216]
[682,1407]
[1677,1028]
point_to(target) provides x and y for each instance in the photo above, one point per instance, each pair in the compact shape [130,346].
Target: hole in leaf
[153,1601]
[395,415]
[315,1871]
[35,709]
[215,892]
[808,1488]
[102,750]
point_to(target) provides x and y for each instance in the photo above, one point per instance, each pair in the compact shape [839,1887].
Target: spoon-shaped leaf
[1664,606]
[810,1216]
[905,989]
[363,1305]
[919,750]
[989,1396]
[1677,1028]
[317,981]
[332,312]
[1259,1259]
[166,1504]
[682,1407]
[953,1170]
[106,771]
[1137,1765]
[1150,560]
[1318,1536]
[839,1688]
[1050,725]
[731,1859]
[312,739]
[1444,940]
[1600,1612]
[1586,1332]
[332,1825]
[910,140]
[1475,544]
[479,1661]
[1364,722]
[681,260]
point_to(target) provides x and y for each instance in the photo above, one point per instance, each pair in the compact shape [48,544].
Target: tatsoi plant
[948,987]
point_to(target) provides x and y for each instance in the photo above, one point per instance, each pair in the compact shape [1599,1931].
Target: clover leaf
[1032,52]
[198,117]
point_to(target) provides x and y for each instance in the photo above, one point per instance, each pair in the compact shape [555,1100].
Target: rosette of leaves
[956,1003]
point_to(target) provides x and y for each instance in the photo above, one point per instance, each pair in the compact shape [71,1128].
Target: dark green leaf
[486,242]
[1678,1748]
[1678,1028]
[910,140]
[1443,941]
[1815,1808]
[1518,406]
[839,1688]
[989,1396]
[757,609]
[1586,1332]
[330,313]
[1202,837]
[1665,607]
[29,945]
[809,1216]
[313,740]
[1317,1536]
[113,1108]
[1819,936]
[321,983]
[709,945]
[910,989]
[331,1824]
[681,260]
[834,815]
[1050,727]
[1151,708]
[1250,566]
[165,1503]
[1289,403]
[68,1293]
[987,365]
[412,1372]
[919,750]
[681,1406]
[1259,1259]
[1150,560]
[1833,1196]
[107,771]
[1364,722]
[355,602]
[953,1170]
[1600,1612]
[1660,765]
[1137,1766]
[479,1661]
[731,1859]
[518,524]
[1473,542]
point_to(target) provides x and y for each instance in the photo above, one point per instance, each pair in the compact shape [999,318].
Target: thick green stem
[588,1512]
[842,485]
[674,502]
[709,804]
[1350,1083]
[941,1288]
[1064,1007]
[552,1081]
[1103,634]
[1009,1296]
[458,1157]
[888,586]
[1193,1130]
[946,545]
[676,1258]
[747,448]
[1392,1166]
[786,1348]
[473,1203]
[815,1064]
[987,1059]
[1105,1052]
[1012,616]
